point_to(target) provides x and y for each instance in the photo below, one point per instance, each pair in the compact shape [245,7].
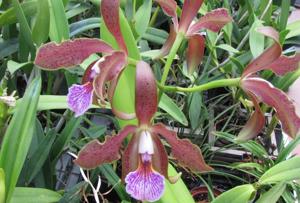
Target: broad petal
[110,14]
[254,125]
[96,153]
[160,157]
[169,8]
[195,52]
[130,157]
[183,150]
[145,184]
[80,98]
[265,92]
[110,68]
[189,12]
[169,43]
[88,75]
[268,56]
[146,93]
[52,56]
[285,64]
[214,21]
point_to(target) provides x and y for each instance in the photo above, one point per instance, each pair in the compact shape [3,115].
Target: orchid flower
[145,161]
[213,21]
[260,90]
[70,53]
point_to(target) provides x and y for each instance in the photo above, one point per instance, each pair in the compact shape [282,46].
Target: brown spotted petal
[267,57]
[265,92]
[169,43]
[130,157]
[110,67]
[96,153]
[160,157]
[52,56]
[169,8]
[145,93]
[285,64]
[255,124]
[214,21]
[195,52]
[189,12]
[183,150]
[110,14]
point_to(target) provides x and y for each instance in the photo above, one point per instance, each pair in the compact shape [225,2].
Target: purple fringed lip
[145,184]
[80,97]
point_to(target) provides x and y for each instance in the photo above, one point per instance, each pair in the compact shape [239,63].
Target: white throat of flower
[146,143]
[95,70]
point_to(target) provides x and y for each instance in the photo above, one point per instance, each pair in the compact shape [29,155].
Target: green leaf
[284,14]
[39,157]
[84,25]
[273,194]
[40,31]
[284,171]
[59,27]
[142,17]
[195,109]
[18,136]
[13,66]
[9,16]
[114,179]
[256,39]
[64,138]
[94,132]
[8,47]
[74,193]
[167,104]
[239,194]
[288,149]
[24,27]
[34,195]
[2,186]
[294,29]
[228,48]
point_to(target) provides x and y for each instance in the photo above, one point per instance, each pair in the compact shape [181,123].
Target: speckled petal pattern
[145,184]
[80,98]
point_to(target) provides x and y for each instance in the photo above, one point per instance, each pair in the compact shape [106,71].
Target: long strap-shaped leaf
[18,137]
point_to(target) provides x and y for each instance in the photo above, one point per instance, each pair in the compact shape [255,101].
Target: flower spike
[110,14]
[146,93]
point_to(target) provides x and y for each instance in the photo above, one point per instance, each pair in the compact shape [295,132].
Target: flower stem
[207,86]
[171,57]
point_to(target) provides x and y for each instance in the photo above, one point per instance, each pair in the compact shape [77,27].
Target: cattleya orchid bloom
[145,161]
[70,53]
[260,90]
[213,21]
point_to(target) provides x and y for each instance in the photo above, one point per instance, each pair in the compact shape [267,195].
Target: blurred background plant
[37,130]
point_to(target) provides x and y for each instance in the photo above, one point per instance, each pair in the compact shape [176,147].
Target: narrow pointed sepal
[189,12]
[80,98]
[146,93]
[195,52]
[187,154]
[52,56]
[213,21]
[168,44]
[265,92]
[267,57]
[145,184]
[96,153]
[110,67]
[254,125]
[285,64]
[110,14]
[169,8]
